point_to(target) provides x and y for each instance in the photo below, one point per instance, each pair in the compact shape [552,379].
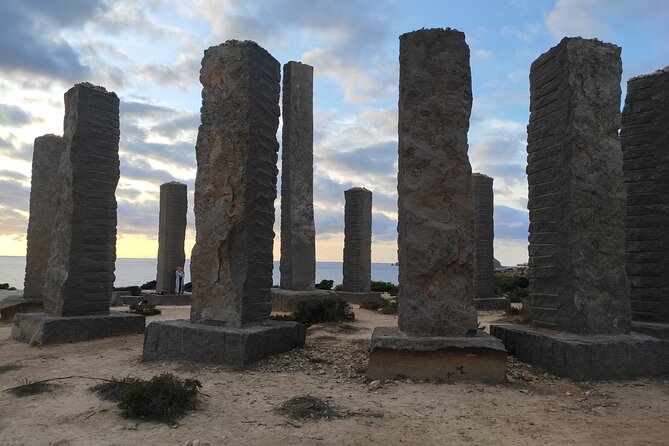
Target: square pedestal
[492,303]
[464,358]
[11,305]
[43,328]
[585,357]
[181,340]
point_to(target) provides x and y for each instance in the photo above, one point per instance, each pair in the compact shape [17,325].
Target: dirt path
[238,405]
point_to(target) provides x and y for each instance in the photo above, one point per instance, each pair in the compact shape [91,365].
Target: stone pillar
[437,335]
[298,246]
[171,234]
[436,210]
[484,283]
[80,275]
[645,139]
[578,304]
[235,188]
[80,272]
[576,194]
[358,240]
[43,209]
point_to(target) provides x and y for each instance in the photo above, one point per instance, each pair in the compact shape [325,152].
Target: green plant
[4,286]
[325,284]
[384,287]
[385,306]
[308,407]
[321,309]
[29,387]
[150,285]
[144,309]
[339,287]
[163,398]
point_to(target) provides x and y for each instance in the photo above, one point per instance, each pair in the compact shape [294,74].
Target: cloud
[525,34]
[483,54]
[511,223]
[11,115]
[35,45]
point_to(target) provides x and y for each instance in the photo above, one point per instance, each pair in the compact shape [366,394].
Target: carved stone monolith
[171,234]
[357,240]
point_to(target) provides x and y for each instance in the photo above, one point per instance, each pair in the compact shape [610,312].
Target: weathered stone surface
[357,266]
[644,136]
[436,209]
[492,303]
[182,340]
[576,195]
[43,329]
[298,234]
[458,358]
[171,234]
[484,283]
[80,273]
[156,299]
[235,187]
[43,209]
[11,305]
[586,356]
[287,300]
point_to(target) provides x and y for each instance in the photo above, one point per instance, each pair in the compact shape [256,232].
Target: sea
[138,271]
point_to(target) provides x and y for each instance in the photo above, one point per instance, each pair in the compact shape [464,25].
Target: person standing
[180,280]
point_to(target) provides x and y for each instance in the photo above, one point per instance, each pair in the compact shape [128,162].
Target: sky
[149,53]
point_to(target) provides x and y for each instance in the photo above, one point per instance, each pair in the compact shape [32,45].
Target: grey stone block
[393,353]
[493,303]
[182,340]
[435,204]
[298,234]
[484,281]
[655,329]
[11,305]
[585,357]
[43,329]
[357,267]
[171,234]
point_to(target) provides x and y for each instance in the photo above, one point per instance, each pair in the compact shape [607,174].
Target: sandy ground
[238,406]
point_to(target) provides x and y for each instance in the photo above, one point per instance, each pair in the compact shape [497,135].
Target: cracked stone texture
[43,209]
[436,209]
[484,282]
[171,234]
[576,194]
[357,266]
[644,136]
[298,234]
[80,273]
[235,186]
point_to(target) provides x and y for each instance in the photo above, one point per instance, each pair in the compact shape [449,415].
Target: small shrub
[385,307]
[321,309]
[325,284]
[4,286]
[11,288]
[188,287]
[144,309]
[309,407]
[385,287]
[163,398]
[339,287]
[134,290]
[29,387]
[150,285]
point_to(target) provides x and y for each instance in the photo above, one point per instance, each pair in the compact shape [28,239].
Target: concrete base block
[286,300]
[181,340]
[43,328]
[159,299]
[655,329]
[465,358]
[11,305]
[492,303]
[585,357]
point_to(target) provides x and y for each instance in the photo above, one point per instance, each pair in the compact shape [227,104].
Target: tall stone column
[358,240]
[43,209]
[576,194]
[171,234]
[579,308]
[235,188]
[436,210]
[298,245]
[437,336]
[80,272]
[484,283]
[645,139]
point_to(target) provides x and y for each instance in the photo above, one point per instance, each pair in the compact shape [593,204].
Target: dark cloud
[511,223]
[29,42]
[138,217]
[24,152]
[14,197]
[138,169]
[378,159]
[383,227]
[512,173]
[11,115]
[328,223]
[13,175]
